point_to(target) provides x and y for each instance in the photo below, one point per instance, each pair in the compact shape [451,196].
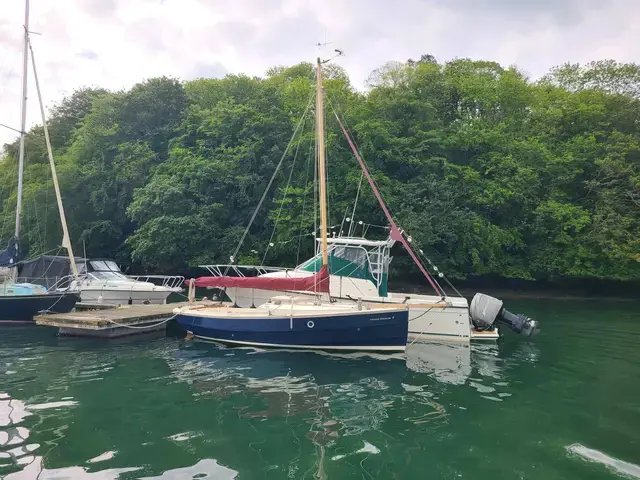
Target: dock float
[112,322]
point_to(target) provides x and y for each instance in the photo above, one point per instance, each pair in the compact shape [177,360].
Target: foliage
[489,172]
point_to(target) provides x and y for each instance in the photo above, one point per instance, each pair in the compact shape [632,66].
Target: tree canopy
[491,173]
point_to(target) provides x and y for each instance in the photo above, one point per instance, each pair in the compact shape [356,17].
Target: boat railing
[220,270]
[60,283]
[173,282]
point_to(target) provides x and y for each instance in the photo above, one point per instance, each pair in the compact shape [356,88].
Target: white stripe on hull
[305,347]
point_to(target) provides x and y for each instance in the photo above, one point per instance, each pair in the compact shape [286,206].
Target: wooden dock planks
[110,323]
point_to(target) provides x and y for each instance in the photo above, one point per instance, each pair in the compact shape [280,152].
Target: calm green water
[566,406]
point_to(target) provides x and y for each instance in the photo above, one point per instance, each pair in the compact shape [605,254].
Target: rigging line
[425,328]
[304,201]
[7,212]
[284,197]
[57,249]
[38,230]
[344,219]
[355,204]
[395,231]
[440,273]
[48,183]
[35,222]
[266,190]
[358,150]
[335,112]
[370,178]
[326,166]
[435,275]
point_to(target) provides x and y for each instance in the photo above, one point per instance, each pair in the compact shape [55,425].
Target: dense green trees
[491,173]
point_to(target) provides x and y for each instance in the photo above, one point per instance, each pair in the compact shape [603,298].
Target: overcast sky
[116,43]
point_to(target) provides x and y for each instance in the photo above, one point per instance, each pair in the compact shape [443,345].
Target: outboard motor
[487,311]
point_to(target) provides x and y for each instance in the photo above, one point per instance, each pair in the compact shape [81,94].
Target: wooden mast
[321,165]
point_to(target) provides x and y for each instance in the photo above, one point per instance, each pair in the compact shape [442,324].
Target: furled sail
[318,282]
[9,256]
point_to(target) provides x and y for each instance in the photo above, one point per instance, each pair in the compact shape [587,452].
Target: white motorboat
[100,281]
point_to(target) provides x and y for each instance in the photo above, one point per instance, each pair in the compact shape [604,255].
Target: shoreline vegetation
[493,174]
[515,289]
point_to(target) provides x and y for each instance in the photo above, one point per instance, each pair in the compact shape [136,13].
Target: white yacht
[100,281]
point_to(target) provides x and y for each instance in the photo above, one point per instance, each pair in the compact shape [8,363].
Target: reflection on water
[35,470]
[446,362]
[15,450]
[206,468]
[166,408]
[324,399]
[618,466]
[339,396]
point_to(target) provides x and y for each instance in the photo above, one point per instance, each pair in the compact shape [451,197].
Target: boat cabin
[50,271]
[356,257]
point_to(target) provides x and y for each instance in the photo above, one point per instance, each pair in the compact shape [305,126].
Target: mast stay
[66,241]
[396,233]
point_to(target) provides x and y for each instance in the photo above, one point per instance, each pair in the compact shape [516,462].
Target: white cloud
[115,43]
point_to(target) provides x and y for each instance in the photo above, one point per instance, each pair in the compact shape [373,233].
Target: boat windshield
[344,261]
[107,270]
[355,255]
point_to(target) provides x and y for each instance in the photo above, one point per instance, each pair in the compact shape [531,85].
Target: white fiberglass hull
[122,297]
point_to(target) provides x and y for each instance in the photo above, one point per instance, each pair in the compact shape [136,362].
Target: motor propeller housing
[486,312]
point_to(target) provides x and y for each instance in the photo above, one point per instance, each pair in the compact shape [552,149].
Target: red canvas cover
[318,282]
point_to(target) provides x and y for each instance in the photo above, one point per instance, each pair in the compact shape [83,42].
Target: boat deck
[304,309]
[112,322]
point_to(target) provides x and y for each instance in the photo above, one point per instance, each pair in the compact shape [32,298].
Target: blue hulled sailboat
[20,302]
[299,321]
